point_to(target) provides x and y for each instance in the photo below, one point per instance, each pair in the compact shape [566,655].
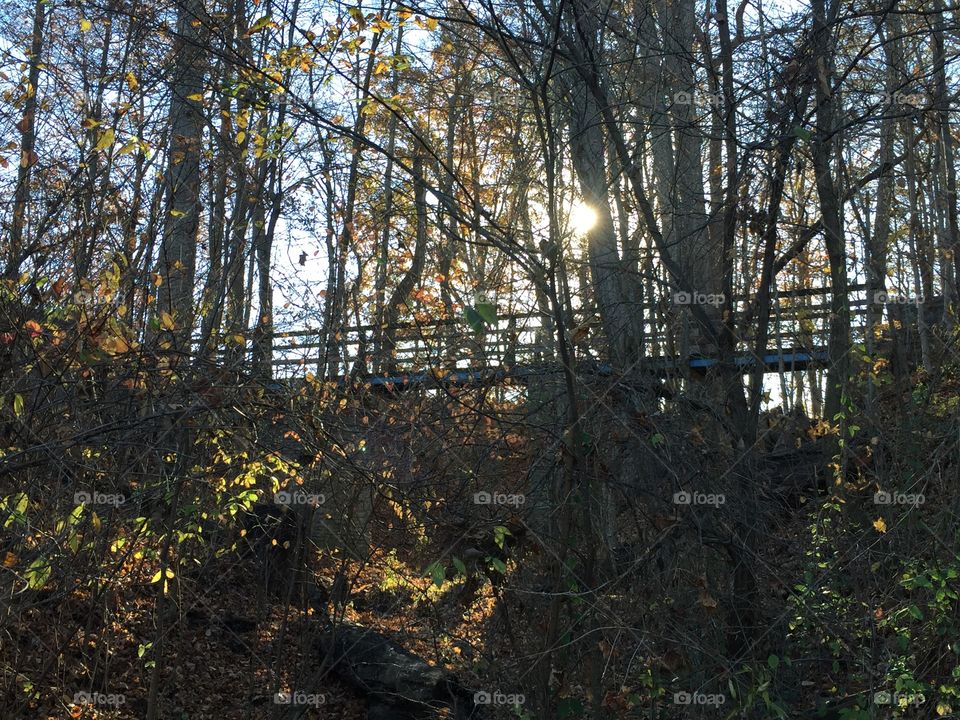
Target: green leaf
[20,503]
[438,572]
[261,24]
[500,535]
[773,662]
[458,564]
[915,612]
[16,506]
[38,573]
[499,565]
[474,319]
[487,311]
[18,405]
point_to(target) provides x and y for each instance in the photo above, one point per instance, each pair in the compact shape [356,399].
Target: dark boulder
[397,684]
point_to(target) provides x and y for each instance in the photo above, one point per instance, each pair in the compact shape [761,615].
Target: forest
[479,359]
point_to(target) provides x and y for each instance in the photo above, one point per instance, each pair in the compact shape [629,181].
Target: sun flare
[582,218]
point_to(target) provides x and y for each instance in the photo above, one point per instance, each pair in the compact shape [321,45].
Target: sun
[582,218]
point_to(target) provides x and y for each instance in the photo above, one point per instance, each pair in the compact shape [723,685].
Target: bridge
[519,345]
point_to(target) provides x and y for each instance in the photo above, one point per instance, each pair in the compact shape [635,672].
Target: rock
[398,684]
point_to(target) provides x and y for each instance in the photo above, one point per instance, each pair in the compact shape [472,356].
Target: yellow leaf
[177,213]
[156,578]
[129,147]
[115,345]
[166,321]
[132,81]
[197,97]
[169,573]
[85,25]
[432,24]
[241,136]
[9,560]
[261,24]
[880,525]
[106,140]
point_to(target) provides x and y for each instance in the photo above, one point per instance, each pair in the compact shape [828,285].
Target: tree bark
[831,206]
[176,263]
[28,139]
[401,294]
[588,154]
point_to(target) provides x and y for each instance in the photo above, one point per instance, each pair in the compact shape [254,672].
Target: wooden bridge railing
[798,319]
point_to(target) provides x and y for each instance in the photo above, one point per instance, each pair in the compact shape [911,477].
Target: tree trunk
[412,276]
[877,248]
[950,241]
[28,138]
[831,210]
[381,354]
[176,263]
[588,152]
